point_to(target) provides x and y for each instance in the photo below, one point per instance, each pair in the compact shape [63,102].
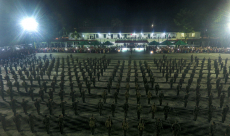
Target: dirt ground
[79,126]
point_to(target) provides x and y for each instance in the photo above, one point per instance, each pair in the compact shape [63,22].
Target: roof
[126,29]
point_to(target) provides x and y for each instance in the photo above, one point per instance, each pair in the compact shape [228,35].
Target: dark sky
[71,13]
[131,12]
[101,12]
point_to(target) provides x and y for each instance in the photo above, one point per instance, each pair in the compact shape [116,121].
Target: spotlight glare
[29,24]
[228,24]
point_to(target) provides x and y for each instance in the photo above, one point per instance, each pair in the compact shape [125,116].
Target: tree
[75,35]
[184,21]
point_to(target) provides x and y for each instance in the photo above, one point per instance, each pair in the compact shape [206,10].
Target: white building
[131,37]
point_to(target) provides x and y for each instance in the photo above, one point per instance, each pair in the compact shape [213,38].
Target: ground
[79,126]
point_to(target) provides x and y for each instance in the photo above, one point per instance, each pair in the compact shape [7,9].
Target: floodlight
[228,24]
[29,24]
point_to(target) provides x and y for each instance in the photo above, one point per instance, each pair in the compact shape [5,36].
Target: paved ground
[78,125]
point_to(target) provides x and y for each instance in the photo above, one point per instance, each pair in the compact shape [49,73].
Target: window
[193,34]
[148,35]
[97,36]
[104,35]
[182,34]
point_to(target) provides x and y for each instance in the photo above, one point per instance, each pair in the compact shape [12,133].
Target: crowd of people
[11,55]
[76,50]
[187,49]
[90,71]
[155,49]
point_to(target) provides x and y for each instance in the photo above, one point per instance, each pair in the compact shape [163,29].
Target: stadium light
[228,24]
[29,24]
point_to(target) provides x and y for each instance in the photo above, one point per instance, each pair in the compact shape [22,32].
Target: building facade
[130,35]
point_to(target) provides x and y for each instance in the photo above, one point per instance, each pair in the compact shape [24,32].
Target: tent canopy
[179,42]
[154,43]
[166,43]
[89,43]
[94,43]
[107,43]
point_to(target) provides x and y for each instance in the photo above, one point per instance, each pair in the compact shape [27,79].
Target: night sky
[99,13]
[130,12]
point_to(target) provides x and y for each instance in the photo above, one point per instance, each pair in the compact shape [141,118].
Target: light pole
[30,25]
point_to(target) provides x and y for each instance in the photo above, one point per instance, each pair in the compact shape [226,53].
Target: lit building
[131,36]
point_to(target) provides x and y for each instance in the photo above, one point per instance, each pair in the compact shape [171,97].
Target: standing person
[178,88]
[146,88]
[75,106]
[51,93]
[227,132]
[139,110]
[45,86]
[24,105]
[116,96]
[62,105]
[195,112]
[50,106]
[157,87]
[61,123]
[88,86]
[92,124]
[149,96]
[108,125]
[100,106]
[41,93]
[166,111]
[141,127]
[108,87]
[126,108]
[80,86]
[186,100]
[138,95]
[37,105]
[113,107]
[224,113]
[171,83]
[222,100]
[153,110]
[210,111]
[98,76]
[61,94]
[31,122]
[159,126]
[3,120]
[176,129]
[83,96]
[104,96]
[72,95]
[161,96]
[17,121]
[212,129]
[125,126]
[13,106]
[46,121]
[152,80]
[126,96]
